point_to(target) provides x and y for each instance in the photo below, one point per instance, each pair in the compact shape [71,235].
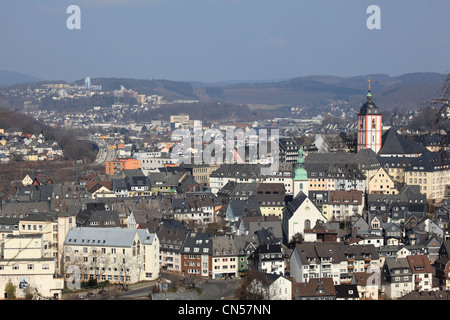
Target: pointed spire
[369,94]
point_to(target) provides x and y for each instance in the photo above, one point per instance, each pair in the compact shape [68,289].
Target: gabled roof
[419,264]
[310,288]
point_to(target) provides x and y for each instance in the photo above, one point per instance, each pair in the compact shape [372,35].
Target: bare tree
[255,286]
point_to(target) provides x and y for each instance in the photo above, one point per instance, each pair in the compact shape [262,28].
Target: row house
[196,255]
[207,256]
[202,211]
[399,207]
[249,173]
[323,177]
[225,257]
[171,242]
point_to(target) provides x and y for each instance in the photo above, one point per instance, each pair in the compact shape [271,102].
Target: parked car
[80,297]
[90,295]
[102,292]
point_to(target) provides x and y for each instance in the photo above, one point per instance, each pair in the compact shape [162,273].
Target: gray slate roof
[107,237]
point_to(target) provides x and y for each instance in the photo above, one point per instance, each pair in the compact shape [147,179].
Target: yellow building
[431,172]
[270,197]
[382,183]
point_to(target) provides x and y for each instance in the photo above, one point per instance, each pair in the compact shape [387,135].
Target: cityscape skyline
[213,41]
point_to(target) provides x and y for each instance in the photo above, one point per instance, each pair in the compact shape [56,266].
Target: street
[219,289]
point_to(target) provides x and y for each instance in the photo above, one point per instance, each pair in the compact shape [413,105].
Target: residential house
[422,272]
[346,292]
[382,183]
[392,234]
[267,259]
[271,198]
[165,183]
[245,246]
[368,284]
[442,272]
[398,277]
[269,286]
[315,289]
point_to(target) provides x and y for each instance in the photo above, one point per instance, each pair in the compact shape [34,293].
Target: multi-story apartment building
[398,277]
[196,255]
[225,257]
[116,255]
[54,227]
[171,243]
[24,264]
[332,260]
[342,204]
[431,172]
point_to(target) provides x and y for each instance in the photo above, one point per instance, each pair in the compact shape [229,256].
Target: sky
[223,40]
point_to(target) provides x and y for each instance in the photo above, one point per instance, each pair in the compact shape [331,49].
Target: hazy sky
[216,40]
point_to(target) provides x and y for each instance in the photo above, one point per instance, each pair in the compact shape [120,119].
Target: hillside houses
[29,147]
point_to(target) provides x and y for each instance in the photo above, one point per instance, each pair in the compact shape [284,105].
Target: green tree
[10,290]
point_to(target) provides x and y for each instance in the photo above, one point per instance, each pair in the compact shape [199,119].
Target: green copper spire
[300,172]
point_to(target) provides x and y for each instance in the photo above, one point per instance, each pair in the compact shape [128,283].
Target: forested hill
[405,91]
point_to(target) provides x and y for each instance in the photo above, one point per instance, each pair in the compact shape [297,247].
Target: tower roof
[300,172]
[369,107]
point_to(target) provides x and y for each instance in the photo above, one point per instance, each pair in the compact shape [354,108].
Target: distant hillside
[406,91]
[8,78]
[171,90]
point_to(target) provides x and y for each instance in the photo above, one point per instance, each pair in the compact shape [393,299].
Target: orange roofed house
[113,167]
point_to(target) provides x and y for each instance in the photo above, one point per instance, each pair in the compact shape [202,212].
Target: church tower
[300,175]
[370,127]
